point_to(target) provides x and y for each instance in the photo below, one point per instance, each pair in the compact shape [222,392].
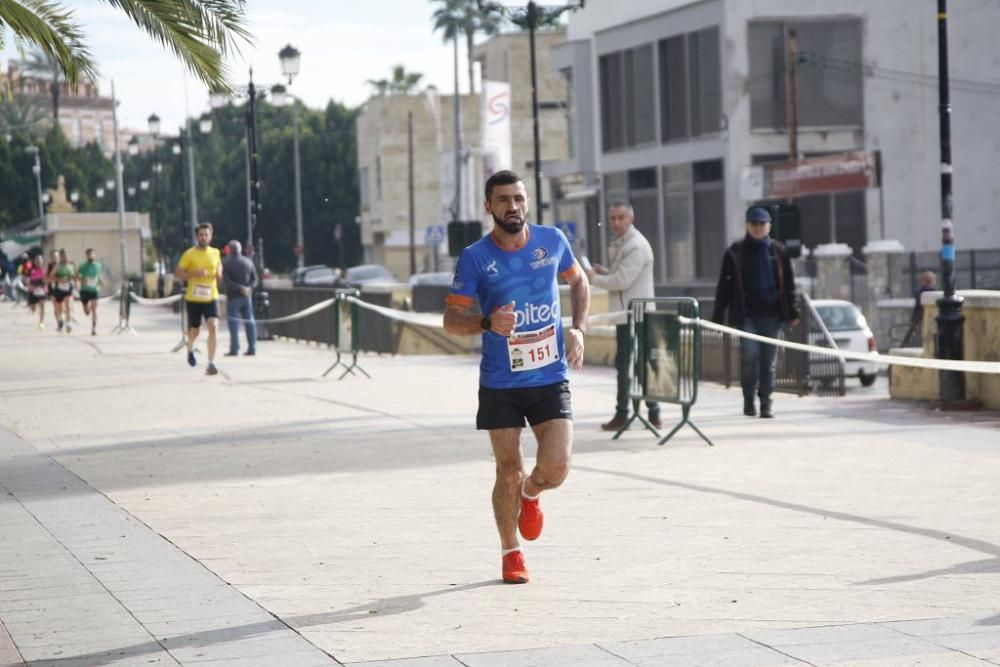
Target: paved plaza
[268,516]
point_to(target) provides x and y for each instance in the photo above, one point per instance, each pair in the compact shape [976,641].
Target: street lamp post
[528,16]
[290,67]
[951,384]
[290,58]
[36,169]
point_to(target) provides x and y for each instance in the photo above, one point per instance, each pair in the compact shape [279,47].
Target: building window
[694,219]
[570,113]
[829,73]
[690,85]
[628,110]
[365,194]
[612,102]
[641,107]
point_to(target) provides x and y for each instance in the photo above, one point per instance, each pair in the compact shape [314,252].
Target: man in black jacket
[757,288]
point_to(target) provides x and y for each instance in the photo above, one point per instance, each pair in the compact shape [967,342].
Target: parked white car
[850,332]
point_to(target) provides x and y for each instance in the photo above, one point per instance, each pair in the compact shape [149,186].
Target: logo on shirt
[539,253]
[491,268]
[534,313]
[456,282]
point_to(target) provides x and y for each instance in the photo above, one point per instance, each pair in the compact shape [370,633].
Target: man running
[62,277]
[523,374]
[201,267]
[89,275]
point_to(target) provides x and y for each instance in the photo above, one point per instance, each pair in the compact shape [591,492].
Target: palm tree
[454,17]
[21,113]
[199,32]
[47,67]
[401,83]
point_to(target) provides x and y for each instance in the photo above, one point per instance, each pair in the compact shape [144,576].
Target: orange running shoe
[514,571]
[530,521]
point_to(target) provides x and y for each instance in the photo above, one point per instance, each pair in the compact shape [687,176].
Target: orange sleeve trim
[458,300]
[571,272]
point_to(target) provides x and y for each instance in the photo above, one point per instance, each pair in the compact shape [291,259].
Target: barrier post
[124,310]
[350,297]
[184,328]
[665,359]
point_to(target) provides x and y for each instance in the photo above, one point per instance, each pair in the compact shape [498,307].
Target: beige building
[382,131]
[84,115]
[383,174]
[78,231]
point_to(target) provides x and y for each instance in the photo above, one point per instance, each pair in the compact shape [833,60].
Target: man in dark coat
[757,291]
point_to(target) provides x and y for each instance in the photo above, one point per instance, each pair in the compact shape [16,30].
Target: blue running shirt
[535,355]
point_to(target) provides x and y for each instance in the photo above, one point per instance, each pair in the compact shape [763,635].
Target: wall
[981,342]
[78,231]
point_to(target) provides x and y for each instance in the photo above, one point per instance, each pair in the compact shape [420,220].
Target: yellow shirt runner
[201,289]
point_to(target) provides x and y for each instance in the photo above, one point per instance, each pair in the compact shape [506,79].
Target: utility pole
[950,320]
[456,212]
[532,18]
[793,95]
[413,209]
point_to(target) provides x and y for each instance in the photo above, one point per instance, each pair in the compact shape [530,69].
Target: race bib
[529,350]
[64,286]
[38,291]
[202,292]
[90,282]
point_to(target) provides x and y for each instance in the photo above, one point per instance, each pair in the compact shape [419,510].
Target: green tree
[463,17]
[22,113]
[199,32]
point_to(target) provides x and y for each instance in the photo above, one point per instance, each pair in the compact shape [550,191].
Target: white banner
[496,127]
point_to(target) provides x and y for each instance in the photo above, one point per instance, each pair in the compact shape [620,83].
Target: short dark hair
[203,225]
[502,177]
[88,250]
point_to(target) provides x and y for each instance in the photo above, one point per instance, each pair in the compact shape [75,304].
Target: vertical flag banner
[496,126]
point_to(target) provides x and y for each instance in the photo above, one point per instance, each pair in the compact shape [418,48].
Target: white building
[671,100]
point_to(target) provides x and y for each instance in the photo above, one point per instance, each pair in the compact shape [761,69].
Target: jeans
[241,308]
[757,360]
[622,349]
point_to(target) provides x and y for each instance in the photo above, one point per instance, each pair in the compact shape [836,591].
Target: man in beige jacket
[630,276]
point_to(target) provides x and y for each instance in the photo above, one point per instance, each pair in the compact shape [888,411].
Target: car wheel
[867,380]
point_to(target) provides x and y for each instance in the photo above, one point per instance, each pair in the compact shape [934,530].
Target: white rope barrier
[155,302]
[306,312]
[435,320]
[884,359]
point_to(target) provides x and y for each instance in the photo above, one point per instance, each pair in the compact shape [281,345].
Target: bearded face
[508,205]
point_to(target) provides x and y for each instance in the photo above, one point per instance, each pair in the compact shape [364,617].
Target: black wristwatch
[485,324]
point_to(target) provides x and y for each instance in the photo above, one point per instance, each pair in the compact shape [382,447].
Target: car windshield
[841,317]
[321,275]
[369,272]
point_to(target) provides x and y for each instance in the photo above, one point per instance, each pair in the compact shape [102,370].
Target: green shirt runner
[90,274]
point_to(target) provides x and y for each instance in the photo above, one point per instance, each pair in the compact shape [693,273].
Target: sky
[343,44]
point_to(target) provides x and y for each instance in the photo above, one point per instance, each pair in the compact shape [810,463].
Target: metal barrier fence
[974,269]
[375,333]
[797,372]
[664,358]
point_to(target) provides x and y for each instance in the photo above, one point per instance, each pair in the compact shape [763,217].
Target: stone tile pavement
[152,515]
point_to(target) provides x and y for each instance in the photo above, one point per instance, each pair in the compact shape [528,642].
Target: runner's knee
[509,473]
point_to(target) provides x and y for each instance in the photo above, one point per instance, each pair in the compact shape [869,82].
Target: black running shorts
[87,297]
[510,408]
[197,310]
[60,295]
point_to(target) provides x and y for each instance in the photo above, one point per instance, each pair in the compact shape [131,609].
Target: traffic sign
[569,229]
[434,234]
